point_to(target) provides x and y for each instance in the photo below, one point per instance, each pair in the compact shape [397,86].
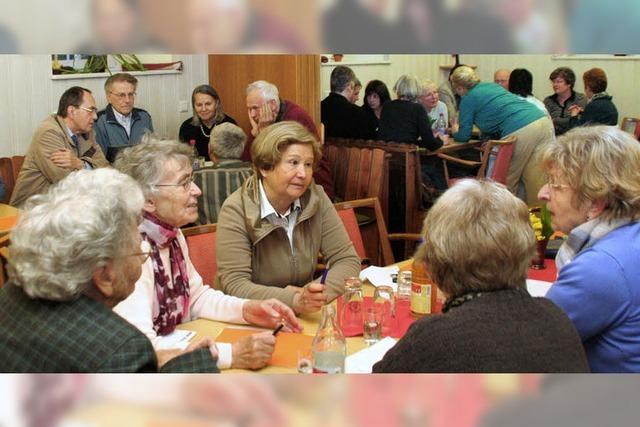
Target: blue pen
[323,278]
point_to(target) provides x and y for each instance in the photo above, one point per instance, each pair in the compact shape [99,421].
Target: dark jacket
[600,110]
[342,119]
[78,336]
[501,331]
[112,137]
[406,121]
[560,113]
[199,134]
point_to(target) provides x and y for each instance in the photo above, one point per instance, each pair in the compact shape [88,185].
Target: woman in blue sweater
[593,195]
[496,111]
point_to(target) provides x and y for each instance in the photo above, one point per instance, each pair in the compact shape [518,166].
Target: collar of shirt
[267,209]
[125,121]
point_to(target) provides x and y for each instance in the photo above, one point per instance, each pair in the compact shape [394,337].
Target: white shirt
[125,121]
[141,307]
[434,115]
[286,221]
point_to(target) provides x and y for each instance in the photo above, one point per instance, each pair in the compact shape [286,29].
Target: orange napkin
[7,222]
[287,345]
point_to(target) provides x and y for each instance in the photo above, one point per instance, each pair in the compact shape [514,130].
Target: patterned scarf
[172,291]
[584,236]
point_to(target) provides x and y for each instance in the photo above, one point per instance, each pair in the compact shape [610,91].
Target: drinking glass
[372,324]
[384,298]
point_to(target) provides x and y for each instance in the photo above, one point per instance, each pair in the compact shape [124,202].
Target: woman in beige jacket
[271,230]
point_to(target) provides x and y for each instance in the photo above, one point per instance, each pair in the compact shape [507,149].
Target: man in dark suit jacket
[340,117]
[75,254]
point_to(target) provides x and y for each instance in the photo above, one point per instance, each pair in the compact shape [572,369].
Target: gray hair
[268,90]
[227,141]
[477,237]
[341,77]
[77,226]
[408,87]
[145,162]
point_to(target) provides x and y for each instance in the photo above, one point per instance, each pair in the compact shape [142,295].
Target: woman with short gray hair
[75,254]
[478,244]
[50,229]
[170,291]
[405,120]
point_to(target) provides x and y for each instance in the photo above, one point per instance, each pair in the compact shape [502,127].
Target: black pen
[276,330]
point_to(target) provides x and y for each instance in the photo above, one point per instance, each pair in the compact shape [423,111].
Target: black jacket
[343,119]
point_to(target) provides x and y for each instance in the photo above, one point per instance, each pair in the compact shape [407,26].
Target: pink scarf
[172,290]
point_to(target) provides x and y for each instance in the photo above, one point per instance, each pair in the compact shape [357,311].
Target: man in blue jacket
[121,125]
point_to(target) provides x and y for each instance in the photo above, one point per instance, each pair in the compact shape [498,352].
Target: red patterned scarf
[172,289]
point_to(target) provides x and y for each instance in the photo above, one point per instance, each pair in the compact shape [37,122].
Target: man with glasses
[63,142]
[121,125]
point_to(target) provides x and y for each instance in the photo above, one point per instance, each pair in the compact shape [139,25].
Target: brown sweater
[255,259]
[502,331]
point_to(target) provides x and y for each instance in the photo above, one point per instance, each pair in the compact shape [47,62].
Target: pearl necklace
[202,130]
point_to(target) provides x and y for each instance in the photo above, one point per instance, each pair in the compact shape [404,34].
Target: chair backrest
[348,217]
[502,160]
[16,164]
[6,172]
[201,241]
[374,236]
[631,125]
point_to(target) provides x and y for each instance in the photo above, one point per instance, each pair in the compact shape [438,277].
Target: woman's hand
[575,110]
[164,356]
[254,351]
[269,314]
[310,299]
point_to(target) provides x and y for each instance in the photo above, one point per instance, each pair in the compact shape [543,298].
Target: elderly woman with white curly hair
[170,291]
[76,253]
[478,243]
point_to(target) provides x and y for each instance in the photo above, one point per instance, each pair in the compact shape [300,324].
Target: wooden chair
[403,158]
[373,237]
[6,172]
[201,241]
[16,164]
[501,166]
[359,172]
[631,125]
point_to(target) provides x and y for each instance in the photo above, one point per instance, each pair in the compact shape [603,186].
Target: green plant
[129,62]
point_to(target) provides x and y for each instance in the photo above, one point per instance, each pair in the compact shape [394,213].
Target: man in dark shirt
[340,117]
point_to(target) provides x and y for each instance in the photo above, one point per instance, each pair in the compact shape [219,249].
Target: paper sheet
[362,362]
[378,276]
[538,288]
[177,339]
[287,345]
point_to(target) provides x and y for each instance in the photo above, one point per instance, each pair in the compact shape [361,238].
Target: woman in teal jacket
[498,112]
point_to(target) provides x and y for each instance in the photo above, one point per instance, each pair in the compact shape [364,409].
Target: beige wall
[29,94]
[623,74]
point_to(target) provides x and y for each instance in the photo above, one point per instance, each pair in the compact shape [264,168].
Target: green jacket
[255,259]
[78,336]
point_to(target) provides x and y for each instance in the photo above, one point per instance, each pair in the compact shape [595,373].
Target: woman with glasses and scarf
[593,195]
[170,291]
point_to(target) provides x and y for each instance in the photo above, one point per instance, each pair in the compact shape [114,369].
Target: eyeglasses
[124,95]
[186,184]
[145,251]
[92,110]
[554,186]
